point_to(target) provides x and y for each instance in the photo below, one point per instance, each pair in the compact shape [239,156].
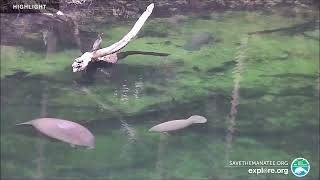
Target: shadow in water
[51,43]
[231,119]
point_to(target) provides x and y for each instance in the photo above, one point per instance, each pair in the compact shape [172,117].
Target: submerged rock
[197,41]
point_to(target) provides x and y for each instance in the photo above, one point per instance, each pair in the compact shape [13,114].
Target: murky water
[260,94]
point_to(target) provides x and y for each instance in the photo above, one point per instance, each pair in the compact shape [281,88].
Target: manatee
[177,124]
[197,41]
[64,130]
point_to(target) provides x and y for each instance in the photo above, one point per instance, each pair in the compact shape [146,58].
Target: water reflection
[162,146]
[124,97]
[40,145]
[318,85]
[231,119]
[138,87]
[131,139]
[50,40]
[126,150]
[129,90]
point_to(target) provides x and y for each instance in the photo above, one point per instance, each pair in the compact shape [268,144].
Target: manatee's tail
[197,119]
[23,123]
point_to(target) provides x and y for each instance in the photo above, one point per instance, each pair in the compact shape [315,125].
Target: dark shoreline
[131,8]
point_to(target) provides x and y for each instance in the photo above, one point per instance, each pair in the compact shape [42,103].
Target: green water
[260,94]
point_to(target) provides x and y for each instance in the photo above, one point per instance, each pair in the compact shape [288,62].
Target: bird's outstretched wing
[125,40]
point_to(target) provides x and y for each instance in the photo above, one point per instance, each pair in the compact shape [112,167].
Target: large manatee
[64,130]
[177,124]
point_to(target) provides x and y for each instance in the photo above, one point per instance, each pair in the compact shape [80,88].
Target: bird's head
[82,62]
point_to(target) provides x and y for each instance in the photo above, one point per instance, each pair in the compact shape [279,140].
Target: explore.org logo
[300,167]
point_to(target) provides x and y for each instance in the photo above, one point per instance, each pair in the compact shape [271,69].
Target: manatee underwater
[178,124]
[64,130]
[197,41]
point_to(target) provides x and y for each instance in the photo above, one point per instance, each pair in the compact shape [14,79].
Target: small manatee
[64,130]
[177,124]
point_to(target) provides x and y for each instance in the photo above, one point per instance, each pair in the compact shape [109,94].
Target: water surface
[260,94]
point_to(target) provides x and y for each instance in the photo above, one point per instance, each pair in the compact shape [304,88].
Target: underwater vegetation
[201,72]
[272,81]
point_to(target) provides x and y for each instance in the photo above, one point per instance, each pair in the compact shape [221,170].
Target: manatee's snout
[197,119]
